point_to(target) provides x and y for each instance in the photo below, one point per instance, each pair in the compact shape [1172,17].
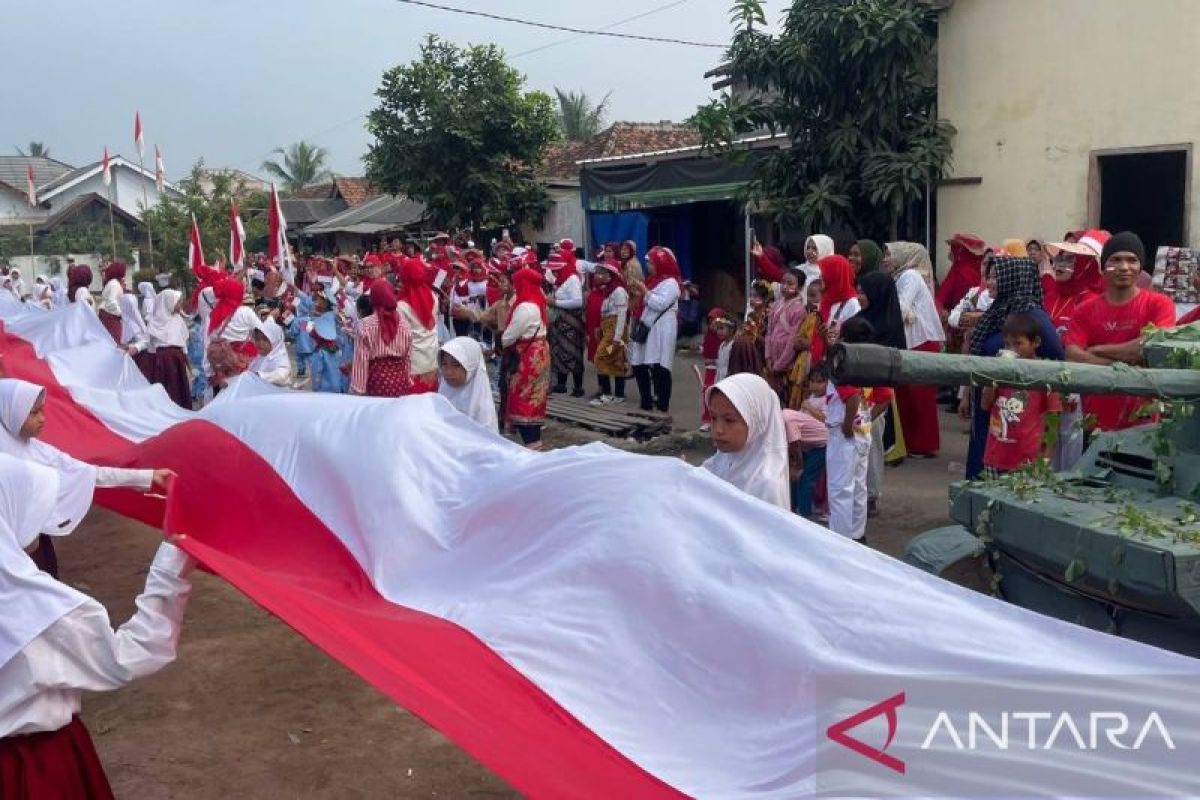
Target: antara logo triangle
[838,732]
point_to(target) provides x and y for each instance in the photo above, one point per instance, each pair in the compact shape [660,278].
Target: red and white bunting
[195,249]
[137,133]
[237,237]
[107,168]
[30,188]
[160,171]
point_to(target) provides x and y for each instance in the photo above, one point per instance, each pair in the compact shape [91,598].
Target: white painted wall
[126,191]
[42,265]
[565,220]
[1033,86]
[15,210]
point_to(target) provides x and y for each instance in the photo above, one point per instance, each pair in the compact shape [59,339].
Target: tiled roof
[355,191]
[621,138]
[14,169]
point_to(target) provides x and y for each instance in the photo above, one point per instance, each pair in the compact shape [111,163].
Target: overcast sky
[229,80]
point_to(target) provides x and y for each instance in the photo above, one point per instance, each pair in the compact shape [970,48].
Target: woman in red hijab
[418,306]
[382,350]
[527,358]
[611,302]
[1076,277]
[110,299]
[568,331]
[839,302]
[966,270]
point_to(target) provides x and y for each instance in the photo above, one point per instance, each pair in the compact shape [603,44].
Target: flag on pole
[137,132]
[160,172]
[107,168]
[195,249]
[30,189]
[277,250]
[237,237]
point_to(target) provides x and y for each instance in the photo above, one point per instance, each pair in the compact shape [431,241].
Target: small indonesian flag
[277,247]
[160,172]
[107,168]
[195,249]
[237,237]
[137,132]
[30,189]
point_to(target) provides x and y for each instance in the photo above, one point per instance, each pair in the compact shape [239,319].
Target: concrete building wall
[15,209]
[566,219]
[1035,86]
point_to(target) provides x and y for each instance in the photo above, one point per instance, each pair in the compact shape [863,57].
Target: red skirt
[60,764]
[387,377]
[112,324]
[529,388]
[919,413]
[171,370]
[146,362]
[418,384]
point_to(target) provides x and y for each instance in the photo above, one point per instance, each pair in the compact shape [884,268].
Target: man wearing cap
[1108,329]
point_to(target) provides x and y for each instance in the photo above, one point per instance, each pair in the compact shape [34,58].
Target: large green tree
[578,119]
[298,165]
[853,83]
[455,130]
[171,219]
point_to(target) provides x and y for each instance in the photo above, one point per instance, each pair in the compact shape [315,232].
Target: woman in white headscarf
[41,295]
[751,442]
[17,287]
[816,247]
[146,290]
[465,380]
[134,337]
[58,292]
[272,363]
[22,419]
[56,643]
[168,330]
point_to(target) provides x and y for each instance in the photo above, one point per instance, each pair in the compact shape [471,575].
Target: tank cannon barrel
[874,365]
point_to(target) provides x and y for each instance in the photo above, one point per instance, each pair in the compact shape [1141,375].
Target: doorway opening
[1144,190]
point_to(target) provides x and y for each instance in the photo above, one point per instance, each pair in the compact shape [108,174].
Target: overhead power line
[565,28]
[616,24]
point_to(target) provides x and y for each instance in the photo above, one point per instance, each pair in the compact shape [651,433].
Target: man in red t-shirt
[1108,329]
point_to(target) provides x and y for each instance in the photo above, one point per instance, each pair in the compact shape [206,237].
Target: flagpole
[145,209]
[112,227]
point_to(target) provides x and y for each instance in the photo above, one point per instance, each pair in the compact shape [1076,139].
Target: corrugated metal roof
[301,211]
[384,213]
[14,169]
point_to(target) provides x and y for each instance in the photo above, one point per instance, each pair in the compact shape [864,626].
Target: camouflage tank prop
[1113,544]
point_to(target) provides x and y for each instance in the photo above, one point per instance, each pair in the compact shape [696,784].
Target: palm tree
[303,163]
[35,149]
[577,117]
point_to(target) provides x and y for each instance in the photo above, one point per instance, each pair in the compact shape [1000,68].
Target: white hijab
[132,324]
[278,357]
[110,297]
[18,283]
[76,480]
[825,247]
[165,326]
[474,398]
[146,290]
[41,295]
[760,468]
[58,292]
[82,295]
[31,599]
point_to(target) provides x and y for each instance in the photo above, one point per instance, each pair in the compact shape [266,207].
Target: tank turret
[1114,544]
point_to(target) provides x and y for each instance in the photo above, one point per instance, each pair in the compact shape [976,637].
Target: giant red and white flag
[237,237]
[277,245]
[106,168]
[195,248]
[576,646]
[137,133]
[160,171]
[30,187]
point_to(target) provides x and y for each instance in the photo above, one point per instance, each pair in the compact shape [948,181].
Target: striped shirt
[370,345]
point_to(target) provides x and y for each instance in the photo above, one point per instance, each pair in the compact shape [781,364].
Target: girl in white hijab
[465,380]
[41,295]
[83,296]
[58,293]
[168,331]
[56,643]
[18,283]
[816,247]
[751,442]
[272,364]
[146,290]
[22,419]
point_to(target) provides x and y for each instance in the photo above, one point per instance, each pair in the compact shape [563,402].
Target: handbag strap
[660,314]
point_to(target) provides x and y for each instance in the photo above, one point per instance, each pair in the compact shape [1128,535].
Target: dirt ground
[252,710]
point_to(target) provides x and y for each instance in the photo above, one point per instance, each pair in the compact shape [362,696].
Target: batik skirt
[567,339]
[387,377]
[529,384]
[610,357]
